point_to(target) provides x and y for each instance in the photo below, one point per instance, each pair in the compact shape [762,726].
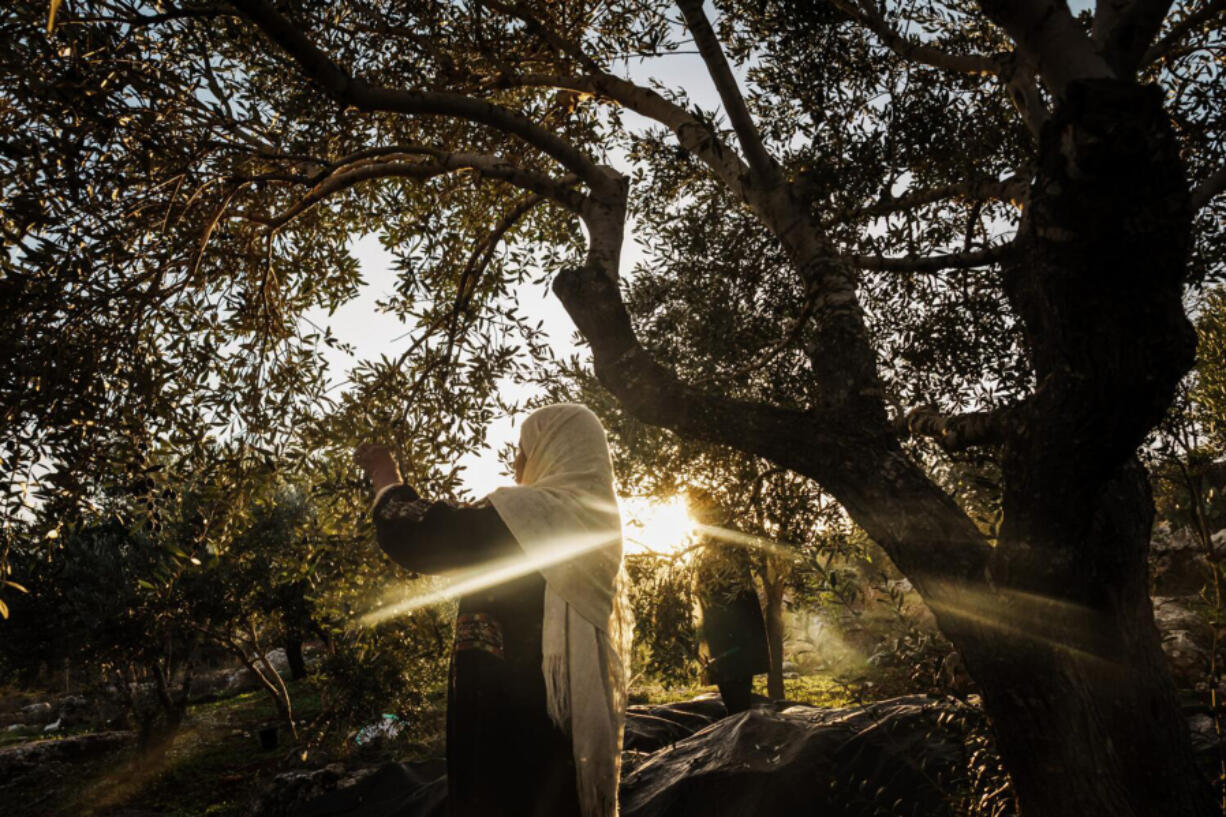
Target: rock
[241,680]
[392,790]
[73,710]
[244,680]
[1177,562]
[42,757]
[1166,540]
[288,792]
[1188,660]
[279,661]
[1172,613]
[41,712]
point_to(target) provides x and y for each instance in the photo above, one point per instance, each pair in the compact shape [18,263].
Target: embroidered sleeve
[402,509]
[436,537]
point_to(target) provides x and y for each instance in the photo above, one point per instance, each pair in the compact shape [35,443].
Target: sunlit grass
[824,690]
[214,766]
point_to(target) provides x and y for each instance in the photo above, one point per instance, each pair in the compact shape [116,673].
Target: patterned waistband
[478,631]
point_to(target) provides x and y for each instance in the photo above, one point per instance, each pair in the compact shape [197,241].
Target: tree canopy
[908,231]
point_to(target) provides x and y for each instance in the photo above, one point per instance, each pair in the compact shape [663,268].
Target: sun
[656,526]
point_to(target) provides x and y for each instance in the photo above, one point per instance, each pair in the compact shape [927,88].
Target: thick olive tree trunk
[1061,638]
[1052,620]
[1077,686]
[1083,704]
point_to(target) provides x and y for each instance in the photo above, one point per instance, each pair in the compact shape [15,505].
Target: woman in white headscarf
[537,693]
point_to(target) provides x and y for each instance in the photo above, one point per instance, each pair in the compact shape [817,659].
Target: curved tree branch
[694,135]
[1046,31]
[1011,189]
[1124,29]
[959,431]
[655,395]
[430,163]
[1204,192]
[935,263]
[1009,68]
[546,33]
[479,260]
[869,17]
[725,83]
[348,90]
[1167,43]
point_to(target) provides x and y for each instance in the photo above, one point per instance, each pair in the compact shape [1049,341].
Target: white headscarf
[565,514]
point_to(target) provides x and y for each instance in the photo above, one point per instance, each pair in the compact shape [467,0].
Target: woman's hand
[377,461]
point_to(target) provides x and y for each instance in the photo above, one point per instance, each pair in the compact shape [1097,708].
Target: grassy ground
[29,733]
[817,690]
[214,767]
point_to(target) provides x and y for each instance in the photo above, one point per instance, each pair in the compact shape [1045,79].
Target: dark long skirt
[505,757]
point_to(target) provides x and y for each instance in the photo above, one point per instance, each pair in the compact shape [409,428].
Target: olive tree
[974,224]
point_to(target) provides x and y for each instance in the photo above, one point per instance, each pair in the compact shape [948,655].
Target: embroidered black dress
[505,757]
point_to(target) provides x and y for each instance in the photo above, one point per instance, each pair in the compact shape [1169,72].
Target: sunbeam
[1054,623]
[492,574]
[737,538]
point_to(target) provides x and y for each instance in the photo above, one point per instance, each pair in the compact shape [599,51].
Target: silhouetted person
[733,631]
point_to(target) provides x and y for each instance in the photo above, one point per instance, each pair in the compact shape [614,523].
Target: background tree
[172,186]
[112,607]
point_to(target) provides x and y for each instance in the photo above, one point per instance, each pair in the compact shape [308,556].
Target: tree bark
[293,653]
[1075,682]
[772,590]
[1077,686]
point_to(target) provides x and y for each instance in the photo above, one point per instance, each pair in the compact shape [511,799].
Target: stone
[279,661]
[39,713]
[73,710]
[241,680]
[1187,658]
[43,757]
[1177,562]
[1171,613]
[391,790]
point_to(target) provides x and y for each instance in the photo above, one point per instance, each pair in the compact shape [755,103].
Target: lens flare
[493,574]
[1054,623]
[736,538]
[657,526]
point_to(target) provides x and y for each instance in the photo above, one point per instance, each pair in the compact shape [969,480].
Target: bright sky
[373,333]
